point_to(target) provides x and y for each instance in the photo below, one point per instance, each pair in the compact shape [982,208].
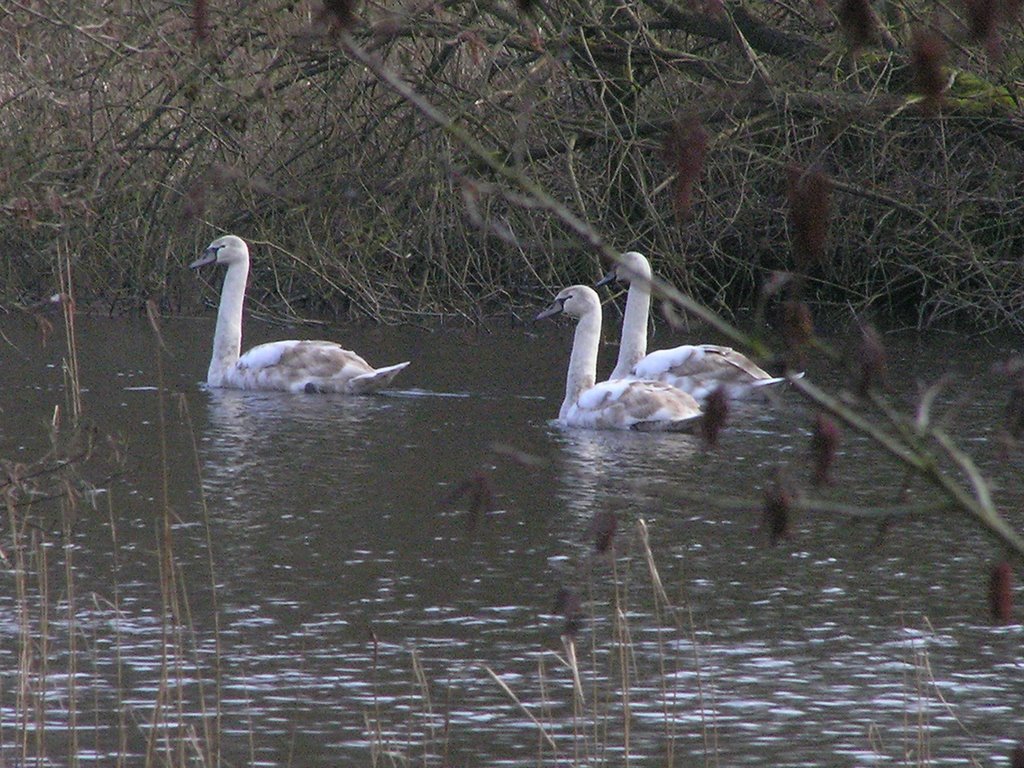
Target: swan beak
[555,309]
[608,279]
[209,257]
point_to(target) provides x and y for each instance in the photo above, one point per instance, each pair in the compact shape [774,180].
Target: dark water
[357,607]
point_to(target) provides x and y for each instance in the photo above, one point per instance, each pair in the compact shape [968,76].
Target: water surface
[341,601]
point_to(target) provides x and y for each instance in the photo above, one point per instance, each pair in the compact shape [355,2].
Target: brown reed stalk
[211,735]
[122,722]
[67,514]
[67,302]
[662,602]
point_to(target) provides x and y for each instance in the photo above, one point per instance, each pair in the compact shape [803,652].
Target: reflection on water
[596,464]
[358,607]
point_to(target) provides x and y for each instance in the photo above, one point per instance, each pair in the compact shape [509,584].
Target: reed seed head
[568,606]
[480,492]
[716,411]
[809,192]
[982,17]
[200,21]
[871,360]
[824,443]
[797,324]
[685,148]
[1017,757]
[1000,593]
[778,503]
[1013,425]
[859,23]
[602,530]
[797,332]
[338,14]
[195,204]
[776,282]
[927,61]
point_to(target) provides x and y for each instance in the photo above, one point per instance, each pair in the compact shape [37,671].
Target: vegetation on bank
[134,131]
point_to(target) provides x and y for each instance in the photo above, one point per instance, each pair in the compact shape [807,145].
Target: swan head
[224,250]
[631,265]
[574,301]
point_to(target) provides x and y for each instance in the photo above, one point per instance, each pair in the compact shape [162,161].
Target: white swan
[292,366]
[695,368]
[625,404]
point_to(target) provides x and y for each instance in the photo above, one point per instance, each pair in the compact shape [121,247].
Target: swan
[292,366]
[624,404]
[699,369]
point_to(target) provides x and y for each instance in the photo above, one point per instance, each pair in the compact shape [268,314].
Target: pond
[319,580]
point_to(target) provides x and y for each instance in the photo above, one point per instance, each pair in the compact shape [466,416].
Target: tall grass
[70,703]
[626,647]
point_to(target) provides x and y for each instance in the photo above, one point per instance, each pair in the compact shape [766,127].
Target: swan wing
[701,368]
[308,366]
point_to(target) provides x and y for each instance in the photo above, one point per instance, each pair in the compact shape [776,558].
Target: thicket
[134,131]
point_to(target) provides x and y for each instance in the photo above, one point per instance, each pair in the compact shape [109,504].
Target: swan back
[634,404]
[307,366]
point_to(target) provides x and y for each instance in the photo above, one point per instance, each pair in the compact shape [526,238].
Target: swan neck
[583,361]
[227,338]
[633,345]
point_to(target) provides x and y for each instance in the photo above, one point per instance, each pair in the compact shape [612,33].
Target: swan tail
[757,383]
[776,380]
[375,380]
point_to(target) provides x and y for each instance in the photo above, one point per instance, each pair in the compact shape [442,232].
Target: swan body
[291,366]
[699,369]
[624,404]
